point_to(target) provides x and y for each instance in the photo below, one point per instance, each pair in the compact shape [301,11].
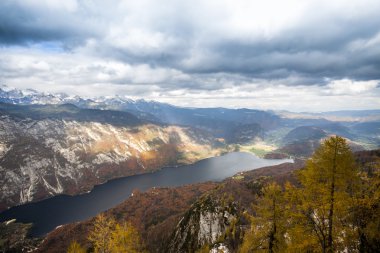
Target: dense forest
[332,205]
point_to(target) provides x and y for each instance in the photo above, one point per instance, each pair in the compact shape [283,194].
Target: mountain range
[55,143]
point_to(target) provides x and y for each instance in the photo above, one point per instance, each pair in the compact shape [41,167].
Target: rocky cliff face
[14,237]
[208,222]
[49,156]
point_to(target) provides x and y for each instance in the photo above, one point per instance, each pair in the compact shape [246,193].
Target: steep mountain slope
[14,237]
[368,128]
[304,133]
[207,220]
[339,129]
[49,150]
[70,112]
[244,133]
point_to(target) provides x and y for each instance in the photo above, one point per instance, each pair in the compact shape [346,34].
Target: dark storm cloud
[199,40]
[316,49]
[22,24]
[302,53]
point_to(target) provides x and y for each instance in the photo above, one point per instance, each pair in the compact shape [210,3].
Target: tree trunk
[272,237]
[331,211]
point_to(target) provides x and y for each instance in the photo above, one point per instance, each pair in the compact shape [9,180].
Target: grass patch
[238,177]
[259,152]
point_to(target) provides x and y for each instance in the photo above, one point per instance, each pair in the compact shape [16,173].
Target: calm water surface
[62,209]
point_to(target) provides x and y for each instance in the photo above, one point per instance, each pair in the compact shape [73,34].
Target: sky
[296,55]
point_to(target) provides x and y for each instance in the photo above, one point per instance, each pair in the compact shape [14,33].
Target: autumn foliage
[334,209]
[107,236]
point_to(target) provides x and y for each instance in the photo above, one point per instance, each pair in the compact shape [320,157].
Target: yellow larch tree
[126,239]
[101,234]
[267,233]
[321,207]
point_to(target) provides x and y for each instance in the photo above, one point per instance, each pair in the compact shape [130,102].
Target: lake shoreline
[62,209]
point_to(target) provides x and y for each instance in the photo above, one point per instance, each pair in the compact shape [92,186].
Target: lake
[50,213]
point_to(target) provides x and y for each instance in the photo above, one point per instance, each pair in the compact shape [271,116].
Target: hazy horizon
[8,88]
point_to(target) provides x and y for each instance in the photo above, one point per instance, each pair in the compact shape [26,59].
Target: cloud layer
[198,53]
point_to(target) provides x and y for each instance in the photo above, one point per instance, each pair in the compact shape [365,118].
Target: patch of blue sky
[48,46]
